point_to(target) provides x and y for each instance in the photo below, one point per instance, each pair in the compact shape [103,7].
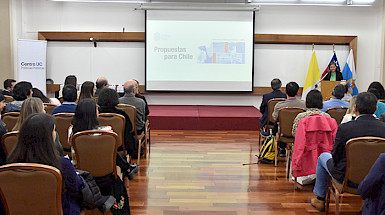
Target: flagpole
[312,48]
[334,48]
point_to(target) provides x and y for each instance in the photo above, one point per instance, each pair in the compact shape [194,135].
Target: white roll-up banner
[31,59]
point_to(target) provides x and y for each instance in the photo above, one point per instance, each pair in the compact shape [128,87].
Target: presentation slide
[199,51]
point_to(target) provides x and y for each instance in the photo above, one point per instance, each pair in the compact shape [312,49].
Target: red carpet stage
[201,117]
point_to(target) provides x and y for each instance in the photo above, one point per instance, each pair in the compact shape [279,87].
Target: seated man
[337,94]
[291,91]
[130,88]
[9,84]
[276,86]
[70,95]
[334,164]
[101,83]
[21,92]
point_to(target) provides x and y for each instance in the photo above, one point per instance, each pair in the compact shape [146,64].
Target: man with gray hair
[130,88]
[101,83]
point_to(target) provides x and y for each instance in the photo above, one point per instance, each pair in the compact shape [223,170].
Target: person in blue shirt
[337,94]
[380,106]
[70,96]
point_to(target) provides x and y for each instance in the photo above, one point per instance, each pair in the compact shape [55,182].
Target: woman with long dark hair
[86,118]
[36,145]
[87,91]
[108,100]
[38,94]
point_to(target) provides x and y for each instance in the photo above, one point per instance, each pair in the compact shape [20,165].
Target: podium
[327,89]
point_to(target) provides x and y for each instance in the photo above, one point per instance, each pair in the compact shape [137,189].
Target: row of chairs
[63,122]
[356,169]
[93,153]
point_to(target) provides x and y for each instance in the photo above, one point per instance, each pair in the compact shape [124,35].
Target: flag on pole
[349,74]
[334,59]
[313,76]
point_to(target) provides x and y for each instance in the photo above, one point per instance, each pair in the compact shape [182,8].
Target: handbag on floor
[267,151]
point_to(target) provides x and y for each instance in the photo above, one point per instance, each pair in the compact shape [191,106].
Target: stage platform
[202,117]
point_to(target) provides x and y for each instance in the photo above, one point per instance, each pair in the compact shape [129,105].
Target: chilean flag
[334,59]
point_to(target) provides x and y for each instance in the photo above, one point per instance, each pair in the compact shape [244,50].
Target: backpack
[267,150]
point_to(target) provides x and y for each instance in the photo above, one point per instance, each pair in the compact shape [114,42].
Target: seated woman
[108,100]
[87,91]
[350,114]
[35,145]
[313,104]
[372,188]
[30,106]
[86,118]
[38,94]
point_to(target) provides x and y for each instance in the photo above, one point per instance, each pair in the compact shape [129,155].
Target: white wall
[122,61]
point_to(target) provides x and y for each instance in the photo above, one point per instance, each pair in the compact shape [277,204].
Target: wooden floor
[202,172]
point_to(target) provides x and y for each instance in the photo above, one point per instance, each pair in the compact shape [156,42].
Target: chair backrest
[286,118]
[337,113]
[48,107]
[95,151]
[63,122]
[10,119]
[117,122]
[131,112]
[360,149]
[9,141]
[8,99]
[381,100]
[270,108]
[28,188]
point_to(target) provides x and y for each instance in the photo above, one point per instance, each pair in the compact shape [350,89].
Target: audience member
[108,100]
[87,90]
[313,105]
[377,85]
[35,145]
[3,129]
[347,95]
[38,94]
[337,94]
[86,119]
[9,84]
[334,164]
[372,188]
[69,98]
[291,101]
[350,114]
[380,106]
[69,80]
[276,86]
[138,95]
[101,83]
[333,74]
[29,107]
[129,98]
[21,92]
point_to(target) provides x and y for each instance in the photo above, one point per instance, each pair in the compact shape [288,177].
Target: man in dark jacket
[334,164]
[276,86]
